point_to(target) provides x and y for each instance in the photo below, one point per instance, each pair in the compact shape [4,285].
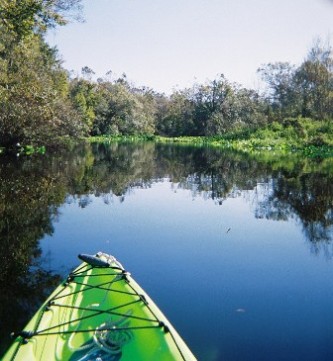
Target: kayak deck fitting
[99,313]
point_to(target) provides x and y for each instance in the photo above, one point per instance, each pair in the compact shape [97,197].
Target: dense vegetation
[40,104]
[302,135]
[34,88]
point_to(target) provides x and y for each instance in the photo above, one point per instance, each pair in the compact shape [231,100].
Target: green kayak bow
[99,313]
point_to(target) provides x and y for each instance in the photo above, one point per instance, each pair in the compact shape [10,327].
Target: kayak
[99,313]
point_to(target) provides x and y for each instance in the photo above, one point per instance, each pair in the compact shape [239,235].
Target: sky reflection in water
[235,286]
[237,252]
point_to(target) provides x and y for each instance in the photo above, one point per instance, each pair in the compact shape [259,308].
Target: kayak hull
[99,313]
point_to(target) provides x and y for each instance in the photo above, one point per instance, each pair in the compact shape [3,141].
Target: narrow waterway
[236,251]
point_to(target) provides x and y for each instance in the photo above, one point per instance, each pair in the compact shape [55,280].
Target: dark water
[236,251]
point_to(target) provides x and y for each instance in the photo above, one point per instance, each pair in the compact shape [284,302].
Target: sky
[172,44]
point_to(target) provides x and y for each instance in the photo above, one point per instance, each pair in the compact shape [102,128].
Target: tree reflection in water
[307,197]
[32,190]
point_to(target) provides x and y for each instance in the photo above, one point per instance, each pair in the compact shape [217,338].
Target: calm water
[237,252]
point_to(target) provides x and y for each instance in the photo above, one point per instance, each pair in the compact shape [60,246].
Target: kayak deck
[99,313]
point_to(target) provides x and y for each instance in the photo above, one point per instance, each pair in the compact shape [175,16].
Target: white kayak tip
[93,260]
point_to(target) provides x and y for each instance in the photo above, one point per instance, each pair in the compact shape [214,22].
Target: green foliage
[105,139]
[23,17]
[210,109]
[33,96]
[84,98]
[306,90]
[301,135]
[175,114]
[294,134]
[281,94]
[19,17]
[34,103]
[221,108]
[40,105]
[115,115]
[113,107]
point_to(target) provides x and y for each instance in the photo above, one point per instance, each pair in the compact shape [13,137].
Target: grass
[120,138]
[294,135]
[304,136]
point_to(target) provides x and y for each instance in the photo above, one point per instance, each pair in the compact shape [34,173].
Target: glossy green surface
[99,313]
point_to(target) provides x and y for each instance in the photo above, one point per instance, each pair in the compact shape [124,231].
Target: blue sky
[171,44]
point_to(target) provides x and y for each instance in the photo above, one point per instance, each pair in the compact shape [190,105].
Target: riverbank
[293,135]
[302,136]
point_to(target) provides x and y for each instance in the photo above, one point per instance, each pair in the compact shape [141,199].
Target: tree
[84,97]
[221,106]
[282,92]
[314,79]
[306,90]
[34,90]
[22,17]
[122,109]
[175,114]
[145,111]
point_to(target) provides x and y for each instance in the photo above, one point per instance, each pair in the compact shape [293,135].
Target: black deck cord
[110,312]
[89,287]
[83,318]
[28,334]
[165,327]
[24,334]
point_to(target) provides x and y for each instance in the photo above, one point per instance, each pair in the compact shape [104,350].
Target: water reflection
[33,189]
[31,192]
[306,196]
[285,188]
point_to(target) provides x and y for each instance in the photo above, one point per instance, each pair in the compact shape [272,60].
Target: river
[236,250]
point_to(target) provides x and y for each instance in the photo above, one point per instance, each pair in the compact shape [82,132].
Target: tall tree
[314,79]
[221,106]
[306,90]
[34,90]
[282,92]
[25,16]
[175,114]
